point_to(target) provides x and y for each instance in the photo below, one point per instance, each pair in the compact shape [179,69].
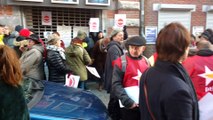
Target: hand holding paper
[133,93]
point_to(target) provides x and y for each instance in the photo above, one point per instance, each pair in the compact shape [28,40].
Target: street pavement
[93,87]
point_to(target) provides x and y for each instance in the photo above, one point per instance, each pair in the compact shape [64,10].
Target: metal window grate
[60,16]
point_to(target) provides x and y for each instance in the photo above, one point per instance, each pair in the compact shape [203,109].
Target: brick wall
[132,16]
[10,15]
[198,17]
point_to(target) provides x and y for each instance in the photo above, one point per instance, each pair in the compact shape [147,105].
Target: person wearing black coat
[56,60]
[166,90]
[114,51]
[125,32]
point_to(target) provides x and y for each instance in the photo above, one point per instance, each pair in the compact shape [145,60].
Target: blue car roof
[62,103]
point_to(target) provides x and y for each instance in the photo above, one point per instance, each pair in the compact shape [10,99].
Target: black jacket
[12,103]
[114,51]
[171,94]
[57,66]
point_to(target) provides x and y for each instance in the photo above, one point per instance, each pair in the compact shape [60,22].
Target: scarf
[59,49]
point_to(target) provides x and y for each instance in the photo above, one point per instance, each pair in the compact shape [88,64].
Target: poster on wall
[31,0]
[98,2]
[120,20]
[94,25]
[47,33]
[197,30]
[151,34]
[65,34]
[77,28]
[46,18]
[65,1]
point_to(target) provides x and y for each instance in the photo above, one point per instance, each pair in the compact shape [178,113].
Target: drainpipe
[141,23]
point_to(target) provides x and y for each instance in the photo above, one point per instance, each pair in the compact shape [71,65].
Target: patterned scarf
[59,49]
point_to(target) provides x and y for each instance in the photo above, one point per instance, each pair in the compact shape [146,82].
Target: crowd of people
[172,84]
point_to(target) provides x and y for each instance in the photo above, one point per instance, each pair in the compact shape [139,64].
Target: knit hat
[115,32]
[53,37]
[24,33]
[18,28]
[136,41]
[81,35]
[207,35]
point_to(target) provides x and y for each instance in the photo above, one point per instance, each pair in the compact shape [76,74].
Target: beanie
[24,33]
[208,34]
[18,28]
[81,35]
[53,37]
[115,32]
[136,41]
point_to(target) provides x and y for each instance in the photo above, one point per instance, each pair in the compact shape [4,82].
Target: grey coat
[32,62]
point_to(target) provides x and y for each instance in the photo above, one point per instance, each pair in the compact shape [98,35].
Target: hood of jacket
[74,50]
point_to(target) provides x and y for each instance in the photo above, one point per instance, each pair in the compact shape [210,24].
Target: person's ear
[144,48]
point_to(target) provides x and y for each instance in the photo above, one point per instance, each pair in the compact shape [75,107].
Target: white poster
[93,71]
[151,34]
[46,18]
[120,20]
[65,34]
[47,33]
[197,30]
[72,80]
[77,28]
[94,25]
[133,93]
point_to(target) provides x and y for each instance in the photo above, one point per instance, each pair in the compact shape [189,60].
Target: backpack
[124,63]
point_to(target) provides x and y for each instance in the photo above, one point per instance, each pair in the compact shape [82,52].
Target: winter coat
[9,39]
[170,93]
[99,56]
[77,59]
[114,51]
[128,78]
[200,68]
[57,66]
[12,103]
[1,39]
[32,62]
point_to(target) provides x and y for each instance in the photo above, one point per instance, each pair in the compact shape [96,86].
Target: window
[98,2]
[31,0]
[65,1]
